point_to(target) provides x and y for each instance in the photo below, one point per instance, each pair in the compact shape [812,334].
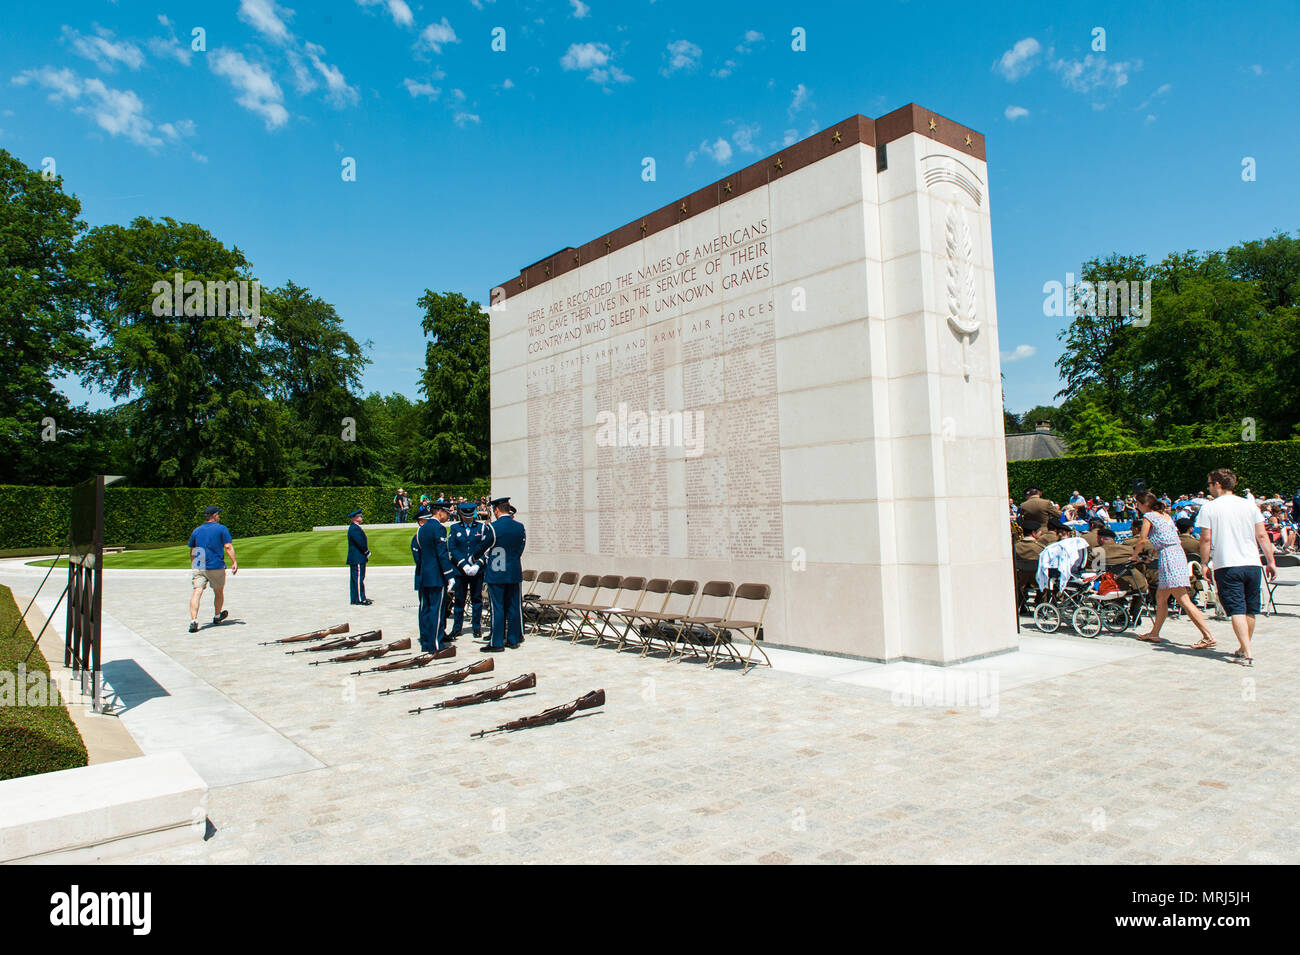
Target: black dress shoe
[490,649]
[367,602]
[513,646]
[478,634]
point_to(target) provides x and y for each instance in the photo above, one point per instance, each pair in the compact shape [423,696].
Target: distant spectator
[402,503]
[1174,577]
[210,544]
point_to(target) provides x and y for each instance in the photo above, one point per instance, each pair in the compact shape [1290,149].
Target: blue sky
[471,162]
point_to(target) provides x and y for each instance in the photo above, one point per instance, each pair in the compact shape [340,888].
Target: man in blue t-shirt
[210,542]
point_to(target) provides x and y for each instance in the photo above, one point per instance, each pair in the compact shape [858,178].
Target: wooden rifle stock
[314,635]
[556,714]
[445,679]
[371,654]
[347,643]
[412,663]
[525,682]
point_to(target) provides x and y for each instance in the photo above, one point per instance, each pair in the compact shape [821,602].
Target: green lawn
[388,547]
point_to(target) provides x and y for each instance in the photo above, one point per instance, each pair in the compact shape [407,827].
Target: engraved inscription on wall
[654,393]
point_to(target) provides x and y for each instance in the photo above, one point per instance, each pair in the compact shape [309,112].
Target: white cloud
[1257,69]
[1160,93]
[580,9]
[751,37]
[1021,351]
[466,119]
[1019,60]
[509,84]
[743,137]
[170,48]
[436,35]
[799,101]
[62,84]
[1014,113]
[1093,72]
[420,88]
[303,81]
[267,18]
[258,90]
[682,55]
[585,56]
[397,9]
[339,92]
[102,50]
[719,151]
[594,58]
[198,157]
[726,69]
[117,112]
[790,137]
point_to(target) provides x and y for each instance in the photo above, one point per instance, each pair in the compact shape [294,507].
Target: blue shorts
[1239,590]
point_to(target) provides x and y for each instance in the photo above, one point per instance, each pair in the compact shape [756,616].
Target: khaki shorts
[217,578]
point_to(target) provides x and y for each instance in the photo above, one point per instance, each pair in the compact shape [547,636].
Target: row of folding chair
[677,616]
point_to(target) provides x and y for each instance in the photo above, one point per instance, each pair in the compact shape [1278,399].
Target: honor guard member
[503,547]
[358,554]
[442,514]
[465,542]
[435,577]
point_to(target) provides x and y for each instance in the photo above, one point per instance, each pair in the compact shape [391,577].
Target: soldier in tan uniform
[1037,508]
[1027,548]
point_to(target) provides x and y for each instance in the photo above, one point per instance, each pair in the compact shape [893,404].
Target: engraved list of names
[651,401]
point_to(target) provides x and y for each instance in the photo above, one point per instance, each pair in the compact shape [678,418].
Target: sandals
[1147,638]
[1203,644]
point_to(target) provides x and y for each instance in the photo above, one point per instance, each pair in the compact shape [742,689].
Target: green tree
[200,411]
[1095,430]
[314,368]
[44,335]
[455,388]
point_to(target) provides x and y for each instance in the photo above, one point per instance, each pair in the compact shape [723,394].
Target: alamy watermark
[652,429]
[211,299]
[1098,298]
[977,689]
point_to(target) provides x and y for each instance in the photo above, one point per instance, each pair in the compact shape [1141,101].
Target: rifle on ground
[347,643]
[412,663]
[445,679]
[314,635]
[556,714]
[370,654]
[525,682]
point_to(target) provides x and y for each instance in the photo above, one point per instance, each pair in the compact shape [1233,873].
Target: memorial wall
[789,376]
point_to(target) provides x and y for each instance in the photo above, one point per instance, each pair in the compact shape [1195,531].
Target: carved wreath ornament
[961,282]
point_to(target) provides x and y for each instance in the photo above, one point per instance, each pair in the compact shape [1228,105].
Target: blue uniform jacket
[503,550]
[358,550]
[465,542]
[434,563]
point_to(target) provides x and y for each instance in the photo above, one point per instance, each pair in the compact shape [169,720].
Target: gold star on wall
[682,208]
[968,139]
[777,164]
[548,271]
[932,127]
[606,244]
[575,260]
[643,228]
[727,186]
[835,137]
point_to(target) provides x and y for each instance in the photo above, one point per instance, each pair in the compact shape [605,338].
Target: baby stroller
[1088,602]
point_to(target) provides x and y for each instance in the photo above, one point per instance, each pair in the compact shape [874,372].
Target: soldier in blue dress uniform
[434,575]
[503,570]
[358,554]
[465,543]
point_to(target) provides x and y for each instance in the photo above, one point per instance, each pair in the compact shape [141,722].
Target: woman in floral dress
[1159,531]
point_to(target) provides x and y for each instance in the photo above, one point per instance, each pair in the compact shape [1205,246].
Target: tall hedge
[38,516]
[1262,466]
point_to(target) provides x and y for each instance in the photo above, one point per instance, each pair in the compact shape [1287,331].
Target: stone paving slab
[1137,754]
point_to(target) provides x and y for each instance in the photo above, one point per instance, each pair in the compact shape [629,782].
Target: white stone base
[100,813]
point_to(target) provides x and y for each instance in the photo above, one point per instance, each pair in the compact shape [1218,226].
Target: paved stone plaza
[1088,751]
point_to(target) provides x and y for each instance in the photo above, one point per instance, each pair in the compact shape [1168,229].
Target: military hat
[467,507]
[354,513]
[440,505]
[500,502]
[424,515]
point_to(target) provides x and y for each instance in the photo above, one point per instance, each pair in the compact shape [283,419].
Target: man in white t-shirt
[1232,537]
